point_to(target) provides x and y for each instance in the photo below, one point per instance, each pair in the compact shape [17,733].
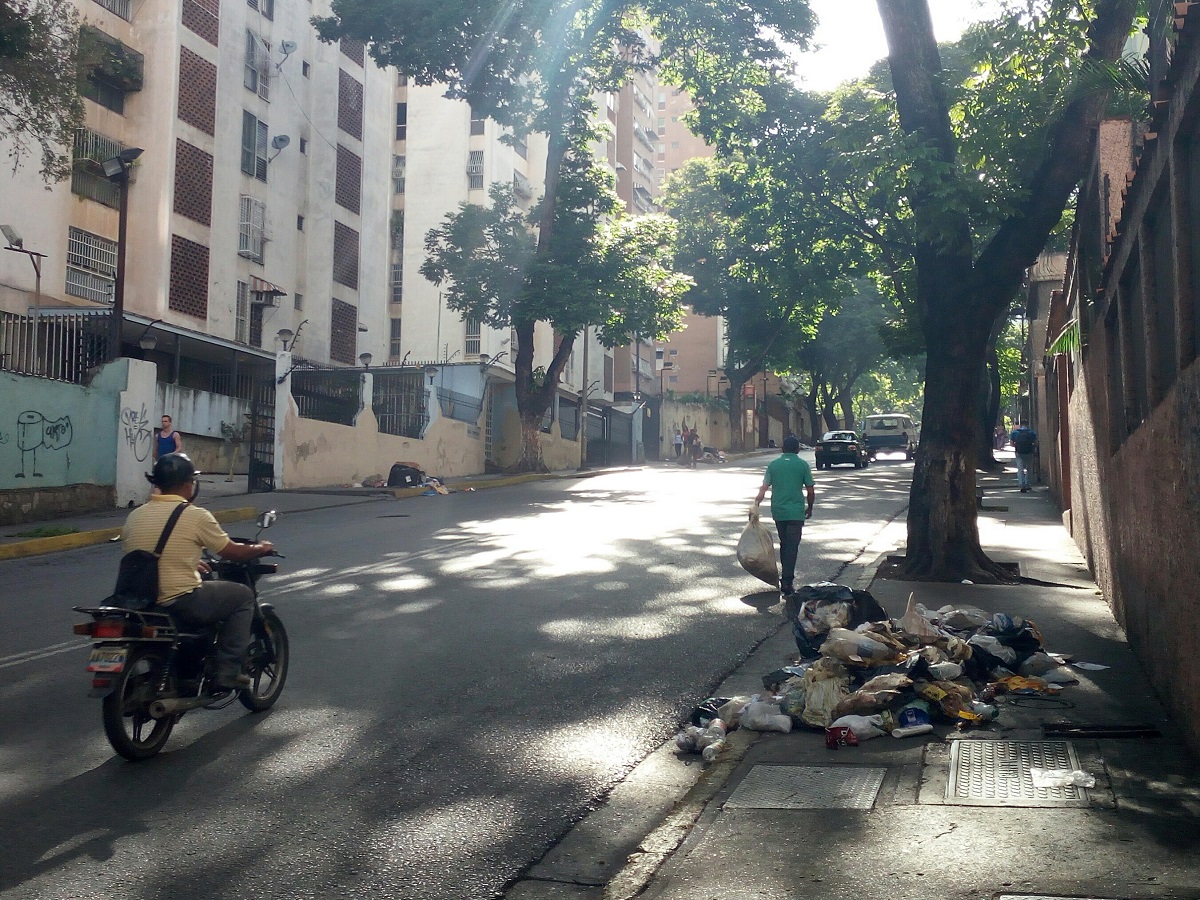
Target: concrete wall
[56,436]
[712,422]
[198,415]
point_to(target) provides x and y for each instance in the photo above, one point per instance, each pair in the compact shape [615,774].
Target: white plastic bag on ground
[1061,778]
[916,622]
[826,684]
[864,727]
[765,717]
[756,550]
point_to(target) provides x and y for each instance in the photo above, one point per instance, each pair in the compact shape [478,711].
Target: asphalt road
[470,675]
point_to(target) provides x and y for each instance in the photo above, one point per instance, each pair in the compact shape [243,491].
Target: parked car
[890,433]
[842,447]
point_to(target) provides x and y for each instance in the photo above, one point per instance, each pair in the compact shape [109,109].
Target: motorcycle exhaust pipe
[169,706]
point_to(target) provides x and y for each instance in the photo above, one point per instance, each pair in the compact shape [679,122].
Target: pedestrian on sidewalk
[790,479]
[1024,441]
[678,442]
[167,440]
[695,448]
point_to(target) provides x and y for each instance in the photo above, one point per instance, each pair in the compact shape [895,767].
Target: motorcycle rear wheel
[267,664]
[130,728]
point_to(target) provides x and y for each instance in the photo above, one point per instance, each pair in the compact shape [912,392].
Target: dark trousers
[227,603]
[790,533]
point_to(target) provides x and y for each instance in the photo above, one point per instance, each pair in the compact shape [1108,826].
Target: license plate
[107,660]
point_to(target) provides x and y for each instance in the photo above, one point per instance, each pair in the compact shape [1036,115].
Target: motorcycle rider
[194,602]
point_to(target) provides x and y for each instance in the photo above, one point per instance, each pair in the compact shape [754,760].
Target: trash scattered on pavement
[1061,778]
[1090,667]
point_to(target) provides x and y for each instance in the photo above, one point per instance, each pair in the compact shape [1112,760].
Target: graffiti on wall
[36,432]
[138,434]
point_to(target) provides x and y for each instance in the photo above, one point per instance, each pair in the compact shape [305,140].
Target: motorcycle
[149,671]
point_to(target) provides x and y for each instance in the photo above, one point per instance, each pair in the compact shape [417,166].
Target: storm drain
[1043,897]
[996,773]
[807,787]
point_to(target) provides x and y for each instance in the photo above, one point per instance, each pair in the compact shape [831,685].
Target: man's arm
[213,536]
[762,492]
[812,496]
[178,442]
[235,552]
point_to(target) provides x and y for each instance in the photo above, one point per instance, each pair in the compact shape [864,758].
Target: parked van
[890,433]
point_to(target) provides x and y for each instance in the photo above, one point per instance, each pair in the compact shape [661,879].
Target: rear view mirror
[267,519]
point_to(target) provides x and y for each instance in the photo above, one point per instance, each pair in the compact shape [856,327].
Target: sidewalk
[780,816]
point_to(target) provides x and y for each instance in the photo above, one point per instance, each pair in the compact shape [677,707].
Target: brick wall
[345,255]
[193,182]
[189,278]
[343,332]
[197,91]
[350,104]
[353,50]
[348,188]
[204,18]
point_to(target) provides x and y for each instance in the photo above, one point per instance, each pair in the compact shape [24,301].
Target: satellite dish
[280,141]
[287,47]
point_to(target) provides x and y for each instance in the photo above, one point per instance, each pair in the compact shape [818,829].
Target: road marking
[27,656]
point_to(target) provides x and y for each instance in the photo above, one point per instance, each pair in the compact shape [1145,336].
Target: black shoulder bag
[137,575]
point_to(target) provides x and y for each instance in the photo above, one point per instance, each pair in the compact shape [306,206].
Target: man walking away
[678,441]
[792,494]
[1024,441]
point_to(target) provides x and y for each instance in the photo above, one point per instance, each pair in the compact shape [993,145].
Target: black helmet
[172,469]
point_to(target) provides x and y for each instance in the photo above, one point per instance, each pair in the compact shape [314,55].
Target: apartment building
[260,201]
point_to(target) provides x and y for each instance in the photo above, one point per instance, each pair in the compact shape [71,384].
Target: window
[266,7]
[241,321]
[476,123]
[304,145]
[350,104]
[475,171]
[397,281]
[401,80]
[299,223]
[251,229]
[673,352]
[87,179]
[91,265]
[298,301]
[119,7]
[257,72]
[401,122]
[394,341]
[305,69]
[399,166]
[254,146]
[100,91]
[345,255]
[521,147]
[472,338]
[521,186]
[343,332]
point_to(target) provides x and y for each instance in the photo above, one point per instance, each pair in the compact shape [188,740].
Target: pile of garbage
[862,675]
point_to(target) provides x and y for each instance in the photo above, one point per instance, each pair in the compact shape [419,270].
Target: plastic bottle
[713,750]
[911,730]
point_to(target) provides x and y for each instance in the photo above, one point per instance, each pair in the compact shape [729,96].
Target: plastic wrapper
[963,618]
[794,700]
[1038,664]
[840,736]
[946,671]
[765,716]
[854,647]
[991,644]
[731,711]
[916,622]
[864,727]
[756,550]
[818,617]
[826,684]
[877,694]
[1061,778]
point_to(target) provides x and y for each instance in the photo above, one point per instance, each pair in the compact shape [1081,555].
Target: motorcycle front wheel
[130,728]
[267,663]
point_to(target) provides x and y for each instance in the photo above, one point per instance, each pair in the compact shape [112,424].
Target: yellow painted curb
[38,546]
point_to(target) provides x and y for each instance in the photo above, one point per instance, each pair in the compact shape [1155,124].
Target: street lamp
[116,170]
[365,359]
[16,244]
[148,341]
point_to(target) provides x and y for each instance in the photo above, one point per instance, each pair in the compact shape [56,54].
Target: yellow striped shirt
[195,530]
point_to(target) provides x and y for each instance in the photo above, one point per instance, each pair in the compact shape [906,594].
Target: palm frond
[1068,340]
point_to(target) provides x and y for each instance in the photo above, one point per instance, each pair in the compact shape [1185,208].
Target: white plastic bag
[864,727]
[765,717]
[756,550]
[1061,778]
[915,622]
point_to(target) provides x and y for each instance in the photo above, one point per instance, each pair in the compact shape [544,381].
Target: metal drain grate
[996,773]
[1042,897]
[807,787]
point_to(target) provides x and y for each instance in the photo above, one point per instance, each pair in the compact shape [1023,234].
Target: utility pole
[583,404]
[117,171]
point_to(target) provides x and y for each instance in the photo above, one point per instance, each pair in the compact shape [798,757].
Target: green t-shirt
[788,476]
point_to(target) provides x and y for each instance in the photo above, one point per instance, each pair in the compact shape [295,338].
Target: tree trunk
[737,418]
[845,399]
[990,407]
[810,406]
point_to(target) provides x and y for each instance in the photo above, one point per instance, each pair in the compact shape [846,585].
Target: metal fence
[58,346]
[328,395]
[398,401]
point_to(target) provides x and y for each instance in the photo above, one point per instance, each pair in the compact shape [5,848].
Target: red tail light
[149,631]
[86,628]
[109,628]
[101,682]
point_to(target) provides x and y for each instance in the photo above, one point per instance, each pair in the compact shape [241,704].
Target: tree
[536,67]
[961,291]
[39,94]
[607,270]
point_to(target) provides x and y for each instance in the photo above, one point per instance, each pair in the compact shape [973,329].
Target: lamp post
[116,170]
[763,426]
[17,244]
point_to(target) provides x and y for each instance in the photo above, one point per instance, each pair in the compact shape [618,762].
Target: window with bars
[266,7]
[254,146]
[118,7]
[475,170]
[476,123]
[257,73]
[401,121]
[399,166]
[397,281]
[394,340]
[87,180]
[241,319]
[473,337]
[91,265]
[521,186]
[252,229]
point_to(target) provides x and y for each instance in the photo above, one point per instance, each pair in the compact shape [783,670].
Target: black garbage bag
[405,476]
[826,605]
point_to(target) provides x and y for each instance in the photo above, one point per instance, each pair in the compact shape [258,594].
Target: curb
[38,546]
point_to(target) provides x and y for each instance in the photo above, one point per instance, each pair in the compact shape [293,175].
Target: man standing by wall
[792,494]
[1024,441]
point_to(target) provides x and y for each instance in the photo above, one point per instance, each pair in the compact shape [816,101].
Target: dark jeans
[789,547]
[227,603]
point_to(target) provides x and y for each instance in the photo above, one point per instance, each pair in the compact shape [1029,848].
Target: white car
[890,433]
